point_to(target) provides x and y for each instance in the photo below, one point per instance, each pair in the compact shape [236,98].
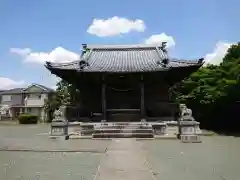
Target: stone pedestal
[188,132]
[159,128]
[59,129]
[190,138]
[198,130]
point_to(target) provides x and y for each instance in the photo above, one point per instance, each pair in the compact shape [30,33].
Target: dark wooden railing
[153,111]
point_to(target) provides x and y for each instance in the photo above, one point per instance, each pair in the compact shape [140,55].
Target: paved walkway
[124,160]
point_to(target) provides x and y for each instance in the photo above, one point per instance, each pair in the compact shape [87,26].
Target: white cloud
[6,83]
[58,54]
[115,26]
[157,39]
[55,80]
[216,57]
[20,52]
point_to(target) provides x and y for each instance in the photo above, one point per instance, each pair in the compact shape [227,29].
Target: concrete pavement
[124,160]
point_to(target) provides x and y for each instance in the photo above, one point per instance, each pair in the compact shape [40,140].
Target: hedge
[27,119]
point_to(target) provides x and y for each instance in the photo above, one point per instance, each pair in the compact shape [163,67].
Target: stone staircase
[125,130]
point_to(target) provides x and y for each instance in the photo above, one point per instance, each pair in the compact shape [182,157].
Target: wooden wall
[125,93]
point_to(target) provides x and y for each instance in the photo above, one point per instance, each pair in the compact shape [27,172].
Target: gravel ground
[37,164]
[35,137]
[217,158]
[48,166]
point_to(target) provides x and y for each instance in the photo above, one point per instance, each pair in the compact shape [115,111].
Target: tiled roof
[44,88]
[12,91]
[122,58]
[22,90]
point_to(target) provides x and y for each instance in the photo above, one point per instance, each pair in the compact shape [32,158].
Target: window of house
[6,98]
[34,96]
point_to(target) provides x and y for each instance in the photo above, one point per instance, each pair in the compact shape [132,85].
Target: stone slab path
[124,160]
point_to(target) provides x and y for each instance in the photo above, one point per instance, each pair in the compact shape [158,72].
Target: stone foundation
[189,131]
[190,139]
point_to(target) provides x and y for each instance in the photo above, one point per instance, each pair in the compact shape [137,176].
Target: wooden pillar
[104,98]
[142,98]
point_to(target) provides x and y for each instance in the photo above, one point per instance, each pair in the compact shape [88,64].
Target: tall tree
[65,94]
[213,91]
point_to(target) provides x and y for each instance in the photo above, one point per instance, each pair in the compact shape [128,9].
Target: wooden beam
[104,98]
[142,98]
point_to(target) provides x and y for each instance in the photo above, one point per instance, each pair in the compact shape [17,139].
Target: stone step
[127,116]
[123,131]
[91,131]
[87,132]
[122,135]
[124,127]
[138,125]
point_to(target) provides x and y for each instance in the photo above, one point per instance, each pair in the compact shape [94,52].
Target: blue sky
[35,31]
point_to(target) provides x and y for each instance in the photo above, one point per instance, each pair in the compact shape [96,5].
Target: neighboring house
[26,100]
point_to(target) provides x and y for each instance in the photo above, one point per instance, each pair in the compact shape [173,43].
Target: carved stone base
[190,139]
[59,129]
[66,137]
[123,135]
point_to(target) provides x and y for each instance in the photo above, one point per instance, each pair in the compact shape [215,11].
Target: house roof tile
[12,91]
[21,90]
[122,58]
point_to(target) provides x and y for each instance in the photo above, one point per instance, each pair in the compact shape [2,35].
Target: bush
[27,119]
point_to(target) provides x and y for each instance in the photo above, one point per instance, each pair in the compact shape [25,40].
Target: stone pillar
[142,98]
[104,98]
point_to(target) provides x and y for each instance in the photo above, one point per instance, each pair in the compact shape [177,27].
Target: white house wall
[33,100]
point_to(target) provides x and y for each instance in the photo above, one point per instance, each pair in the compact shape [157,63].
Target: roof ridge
[45,88]
[62,64]
[121,58]
[37,84]
[184,61]
[127,46]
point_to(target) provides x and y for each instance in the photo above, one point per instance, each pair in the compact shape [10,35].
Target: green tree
[65,94]
[212,91]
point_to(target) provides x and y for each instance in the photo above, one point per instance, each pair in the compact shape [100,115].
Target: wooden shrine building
[124,82]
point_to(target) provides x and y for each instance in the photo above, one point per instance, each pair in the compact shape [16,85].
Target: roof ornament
[200,61]
[164,47]
[84,46]
[163,55]
[165,61]
[48,63]
[83,64]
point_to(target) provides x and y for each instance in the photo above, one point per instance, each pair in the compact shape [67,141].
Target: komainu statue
[58,115]
[186,113]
